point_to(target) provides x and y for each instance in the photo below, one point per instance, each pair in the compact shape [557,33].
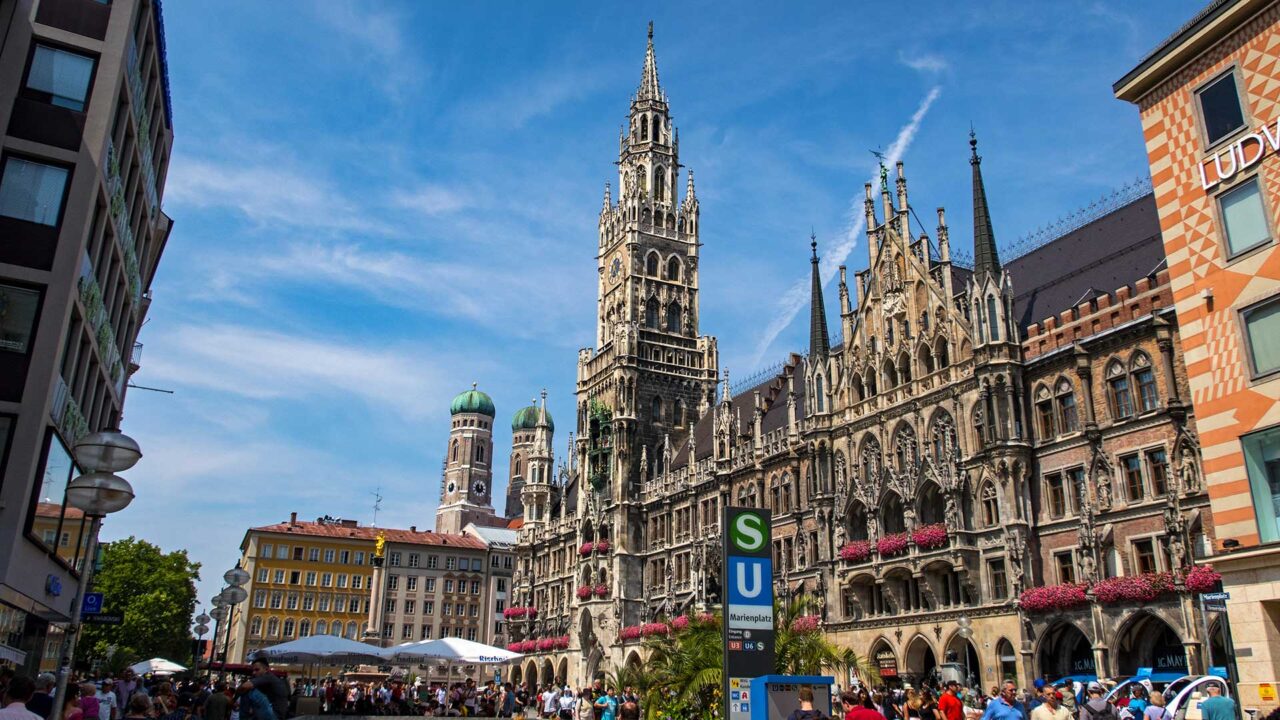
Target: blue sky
[377,204]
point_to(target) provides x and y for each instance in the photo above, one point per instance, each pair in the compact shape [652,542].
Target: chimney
[413,528]
[293,519]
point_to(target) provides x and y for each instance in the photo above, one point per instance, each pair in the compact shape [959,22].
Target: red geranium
[585,549]
[856,551]
[602,546]
[1134,588]
[929,537]
[892,544]
[584,592]
[805,624]
[1202,579]
[602,590]
[1053,597]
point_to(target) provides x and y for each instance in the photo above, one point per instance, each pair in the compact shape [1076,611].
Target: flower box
[514,647]
[602,590]
[514,612]
[546,644]
[1134,588]
[929,537]
[856,551]
[602,546]
[652,629]
[680,623]
[892,544]
[527,646]
[560,643]
[585,549]
[584,592]
[1202,579]
[630,632]
[1053,597]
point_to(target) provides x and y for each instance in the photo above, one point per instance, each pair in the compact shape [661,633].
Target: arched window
[993,322]
[255,626]
[480,452]
[924,321]
[904,368]
[819,394]
[673,317]
[1066,399]
[677,413]
[890,375]
[336,629]
[454,455]
[644,129]
[673,268]
[659,184]
[322,627]
[351,630]
[978,316]
[657,128]
[1119,396]
[304,628]
[651,264]
[655,409]
[273,627]
[871,384]
[651,313]
[990,505]
[1145,381]
[1045,419]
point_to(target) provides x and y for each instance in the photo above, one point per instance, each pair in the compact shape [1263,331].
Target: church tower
[524,427]
[467,485]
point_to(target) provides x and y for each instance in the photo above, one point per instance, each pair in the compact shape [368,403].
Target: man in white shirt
[550,701]
[107,701]
[21,688]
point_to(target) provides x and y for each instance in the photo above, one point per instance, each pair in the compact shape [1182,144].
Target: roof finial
[473,385]
[813,241]
[650,31]
[649,87]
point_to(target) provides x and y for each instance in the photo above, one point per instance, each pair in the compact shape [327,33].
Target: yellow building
[305,578]
[67,532]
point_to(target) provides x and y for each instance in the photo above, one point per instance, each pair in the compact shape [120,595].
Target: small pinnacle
[473,386]
[813,241]
[650,29]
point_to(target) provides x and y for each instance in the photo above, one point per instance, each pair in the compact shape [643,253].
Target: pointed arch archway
[886,661]
[1147,640]
[1064,650]
[920,659]
[961,651]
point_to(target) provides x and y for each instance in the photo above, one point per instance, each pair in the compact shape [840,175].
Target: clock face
[615,269]
[452,487]
[478,487]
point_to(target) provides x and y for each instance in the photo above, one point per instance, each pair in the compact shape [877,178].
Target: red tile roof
[54,510]
[516,523]
[339,530]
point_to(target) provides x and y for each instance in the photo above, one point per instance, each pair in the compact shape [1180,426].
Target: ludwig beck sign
[1240,155]
[748,608]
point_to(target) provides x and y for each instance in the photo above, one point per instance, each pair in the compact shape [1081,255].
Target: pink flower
[707,619]
[1135,588]
[856,551]
[561,643]
[514,612]
[805,624]
[533,611]
[546,644]
[929,537]
[1053,597]
[584,592]
[513,647]
[527,646]
[585,549]
[602,590]
[650,629]
[680,623]
[630,632]
[602,546]
[1202,579]
[892,544]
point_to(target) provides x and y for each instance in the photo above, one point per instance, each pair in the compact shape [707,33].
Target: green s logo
[748,532]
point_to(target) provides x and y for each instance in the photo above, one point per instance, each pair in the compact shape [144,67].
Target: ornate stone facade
[906,467]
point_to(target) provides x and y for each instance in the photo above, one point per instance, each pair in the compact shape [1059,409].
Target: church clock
[615,269]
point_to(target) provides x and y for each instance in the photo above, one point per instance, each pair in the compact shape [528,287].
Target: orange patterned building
[1209,99]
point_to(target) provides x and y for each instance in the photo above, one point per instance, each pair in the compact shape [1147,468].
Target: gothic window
[890,375]
[870,463]
[990,505]
[904,368]
[978,316]
[892,514]
[671,221]
[657,128]
[673,268]
[857,522]
[943,360]
[651,264]
[1145,379]
[659,184]
[1068,421]
[644,129]
[677,414]
[979,425]
[871,384]
[819,394]
[926,360]
[1118,394]
[454,454]
[1045,413]
[855,386]
[480,452]
[924,321]
[888,333]
[651,313]
[993,323]
[655,409]
[673,317]
[944,437]
[645,216]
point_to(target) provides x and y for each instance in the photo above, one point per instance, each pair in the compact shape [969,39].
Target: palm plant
[801,648]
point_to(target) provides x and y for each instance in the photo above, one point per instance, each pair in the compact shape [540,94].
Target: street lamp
[219,613]
[233,594]
[97,493]
[202,627]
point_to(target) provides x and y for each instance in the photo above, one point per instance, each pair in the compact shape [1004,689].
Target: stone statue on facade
[1187,469]
[952,513]
[1103,483]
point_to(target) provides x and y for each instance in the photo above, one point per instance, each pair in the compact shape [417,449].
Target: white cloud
[431,200]
[924,62]
[795,298]
[262,364]
[374,34]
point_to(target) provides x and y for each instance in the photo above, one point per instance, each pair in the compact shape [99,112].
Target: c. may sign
[1240,155]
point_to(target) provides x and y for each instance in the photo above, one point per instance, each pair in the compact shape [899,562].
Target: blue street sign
[1216,596]
[92,604]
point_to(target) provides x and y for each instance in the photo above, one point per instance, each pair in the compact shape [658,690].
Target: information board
[748,610]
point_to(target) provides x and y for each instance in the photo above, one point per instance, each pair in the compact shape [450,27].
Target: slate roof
[1111,252]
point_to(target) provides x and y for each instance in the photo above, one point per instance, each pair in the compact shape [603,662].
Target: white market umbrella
[452,650]
[323,648]
[157,666]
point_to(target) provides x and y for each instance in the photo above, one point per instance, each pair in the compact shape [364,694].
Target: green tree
[803,649]
[155,591]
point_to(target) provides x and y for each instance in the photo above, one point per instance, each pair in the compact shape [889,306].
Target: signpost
[103,619]
[92,604]
[748,611]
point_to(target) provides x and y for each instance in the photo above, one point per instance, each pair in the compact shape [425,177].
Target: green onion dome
[473,401]
[527,419]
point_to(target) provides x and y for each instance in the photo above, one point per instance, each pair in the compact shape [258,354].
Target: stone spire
[649,88]
[608,198]
[819,345]
[689,195]
[985,258]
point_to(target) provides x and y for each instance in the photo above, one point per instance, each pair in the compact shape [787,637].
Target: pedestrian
[1217,706]
[218,705]
[1096,707]
[550,702]
[41,702]
[566,704]
[607,704]
[1051,707]
[928,708]
[949,705]
[138,707]
[865,706]
[1155,707]
[806,711]
[17,693]
[586,709]
[1005,706]
[90,708]
[270,685]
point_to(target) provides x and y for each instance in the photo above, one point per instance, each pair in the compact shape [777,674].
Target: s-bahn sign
[1240,155]
[747,629]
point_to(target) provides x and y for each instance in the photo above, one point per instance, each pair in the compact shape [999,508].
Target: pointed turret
[819,344]
[690,197]
[649,87]
[985,258]
[608,198]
